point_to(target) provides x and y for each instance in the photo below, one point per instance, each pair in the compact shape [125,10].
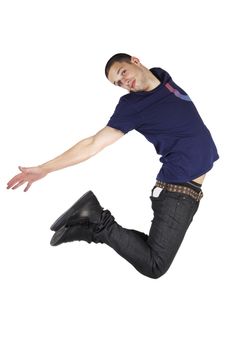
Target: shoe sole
[68,213]
[57,237]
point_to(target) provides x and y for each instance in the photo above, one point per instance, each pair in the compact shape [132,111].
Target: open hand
[27,175]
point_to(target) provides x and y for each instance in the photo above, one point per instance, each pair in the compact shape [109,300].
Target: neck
[153,82]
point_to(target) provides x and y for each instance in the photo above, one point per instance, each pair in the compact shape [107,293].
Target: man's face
[129,76]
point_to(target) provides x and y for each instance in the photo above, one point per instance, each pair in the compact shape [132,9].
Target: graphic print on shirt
[177,93]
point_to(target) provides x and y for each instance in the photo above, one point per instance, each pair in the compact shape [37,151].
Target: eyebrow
[117,74]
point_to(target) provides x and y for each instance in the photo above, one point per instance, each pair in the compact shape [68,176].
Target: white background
[53,93]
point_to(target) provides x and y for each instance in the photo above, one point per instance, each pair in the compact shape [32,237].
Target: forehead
[116,69]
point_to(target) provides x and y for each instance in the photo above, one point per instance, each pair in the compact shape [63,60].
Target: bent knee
[159,270]
[157,274]
[155,268]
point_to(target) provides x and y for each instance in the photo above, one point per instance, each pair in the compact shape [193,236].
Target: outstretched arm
[80,152]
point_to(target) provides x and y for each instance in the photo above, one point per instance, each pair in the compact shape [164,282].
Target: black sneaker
[86,207]
[80,232]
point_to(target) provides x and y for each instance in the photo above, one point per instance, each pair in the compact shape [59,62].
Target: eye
[123,72]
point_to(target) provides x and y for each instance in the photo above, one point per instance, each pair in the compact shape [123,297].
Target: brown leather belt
[180,189]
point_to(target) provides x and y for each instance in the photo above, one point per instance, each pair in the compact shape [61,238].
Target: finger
[18,184]
[28,186]
[15,180]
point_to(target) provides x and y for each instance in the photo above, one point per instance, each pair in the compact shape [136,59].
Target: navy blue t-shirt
[168,119]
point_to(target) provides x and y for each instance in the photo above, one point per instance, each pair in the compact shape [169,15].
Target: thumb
[22,169]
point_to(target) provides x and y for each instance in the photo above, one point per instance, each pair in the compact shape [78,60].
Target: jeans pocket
[157,203]
[156,191]
[186,209]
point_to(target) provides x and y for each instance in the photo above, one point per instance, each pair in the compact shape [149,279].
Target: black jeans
[152,254]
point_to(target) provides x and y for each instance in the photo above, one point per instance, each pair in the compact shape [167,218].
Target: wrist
[45,168]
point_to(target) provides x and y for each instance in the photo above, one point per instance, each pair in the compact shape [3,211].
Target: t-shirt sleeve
[124,118]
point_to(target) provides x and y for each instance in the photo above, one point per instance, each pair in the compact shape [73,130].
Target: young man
[160,110]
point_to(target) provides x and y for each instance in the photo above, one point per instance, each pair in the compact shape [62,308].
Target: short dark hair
[119,57]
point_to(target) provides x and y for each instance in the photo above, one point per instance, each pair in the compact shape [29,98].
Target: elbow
[95,146]
[92,146]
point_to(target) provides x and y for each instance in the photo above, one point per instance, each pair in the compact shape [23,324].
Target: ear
[135,60]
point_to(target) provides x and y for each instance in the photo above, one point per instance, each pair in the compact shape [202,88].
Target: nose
[125,81]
